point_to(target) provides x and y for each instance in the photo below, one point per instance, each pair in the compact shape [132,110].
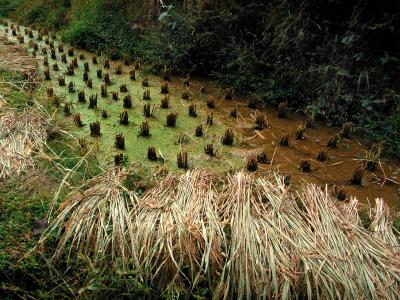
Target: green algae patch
[167,141]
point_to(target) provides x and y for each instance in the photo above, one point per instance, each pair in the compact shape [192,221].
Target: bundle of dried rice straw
[245,239]
[21,134]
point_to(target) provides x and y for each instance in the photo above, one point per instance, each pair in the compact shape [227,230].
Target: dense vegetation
[335,59]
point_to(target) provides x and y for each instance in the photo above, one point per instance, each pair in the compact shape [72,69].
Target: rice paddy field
[197,190]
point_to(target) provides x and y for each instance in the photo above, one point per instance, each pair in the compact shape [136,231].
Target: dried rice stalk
[98,221]
[16,58]
[254,238]
[352,264]
[178,233]
[21,134]
[382,226]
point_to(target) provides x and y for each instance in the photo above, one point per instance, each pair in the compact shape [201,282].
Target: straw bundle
[178,231]
[98,221]
[21,134]
[247,239]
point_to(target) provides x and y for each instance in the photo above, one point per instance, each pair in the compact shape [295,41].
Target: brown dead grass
[15,58]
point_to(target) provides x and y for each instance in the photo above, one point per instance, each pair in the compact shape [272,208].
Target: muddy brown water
[336,170]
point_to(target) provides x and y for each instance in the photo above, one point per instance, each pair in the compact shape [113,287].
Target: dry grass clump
[233,113]
[282,108]
[333,141]
[95,129]
[251,164]
[146,95]
[15,58]
[199,131]
[21,135]
[179,233]
[164,88]
[165,102]
[144,129]
[182,159]
[127,101]
[93,101]
[124,118]
[89,83]
[192,110]
[98,221]
[261,121]
[210,119]
[119,141]
[81,96]
[151,154]
[171,119]
[228,137]
[284,140]
[299,134]
[209,150]
[77,120]
[251,238]
[357,176]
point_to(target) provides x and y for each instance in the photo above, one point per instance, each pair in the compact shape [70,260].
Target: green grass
[12,90]
[20,205]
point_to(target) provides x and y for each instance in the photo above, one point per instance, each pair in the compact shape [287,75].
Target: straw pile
[21,134]
[245,238]
[98,220]
[15,58]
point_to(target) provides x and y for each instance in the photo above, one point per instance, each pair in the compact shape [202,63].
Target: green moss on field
[163,138]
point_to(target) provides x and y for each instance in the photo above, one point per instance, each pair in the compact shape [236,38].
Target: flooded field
[262,141]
